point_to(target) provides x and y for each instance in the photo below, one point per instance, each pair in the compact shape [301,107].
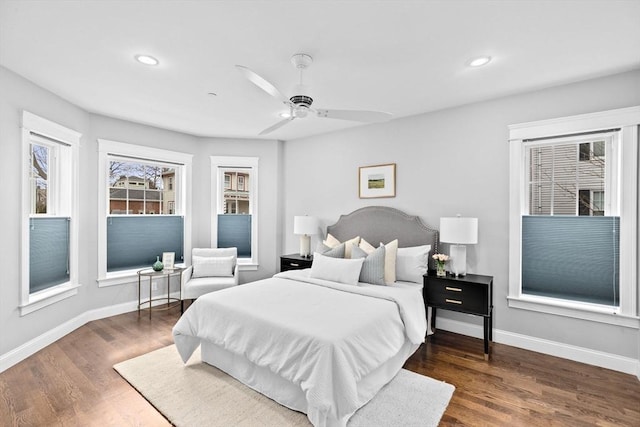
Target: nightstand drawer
[458,296]
[292,262]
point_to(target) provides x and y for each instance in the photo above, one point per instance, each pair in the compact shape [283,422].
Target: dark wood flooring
[72,382]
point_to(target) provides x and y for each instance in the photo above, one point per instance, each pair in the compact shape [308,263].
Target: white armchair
[212,269]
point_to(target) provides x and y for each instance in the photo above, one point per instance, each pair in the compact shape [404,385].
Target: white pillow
[391,250]
[412,263]
[340,270]
[213,266]
[333,242]
[366,246]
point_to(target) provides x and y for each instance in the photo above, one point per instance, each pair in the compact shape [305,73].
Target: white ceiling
[403,57]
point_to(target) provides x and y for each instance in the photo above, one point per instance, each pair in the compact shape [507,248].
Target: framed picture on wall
[377,181]
[168,259]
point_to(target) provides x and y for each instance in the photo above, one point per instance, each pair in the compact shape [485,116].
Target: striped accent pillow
[373,266]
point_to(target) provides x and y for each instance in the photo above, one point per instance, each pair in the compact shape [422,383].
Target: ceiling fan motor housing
[301,101]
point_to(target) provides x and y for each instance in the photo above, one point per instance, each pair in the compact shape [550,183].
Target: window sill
[592,313]
[124,277]
[118,278]
[47,297]
[248,266]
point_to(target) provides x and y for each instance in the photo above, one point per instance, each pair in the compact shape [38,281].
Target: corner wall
[449,162]
[20,336]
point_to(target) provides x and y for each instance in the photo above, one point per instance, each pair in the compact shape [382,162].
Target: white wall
[19,94]
[449,162]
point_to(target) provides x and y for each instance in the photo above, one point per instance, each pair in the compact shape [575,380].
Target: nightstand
[295,262]
[471,294]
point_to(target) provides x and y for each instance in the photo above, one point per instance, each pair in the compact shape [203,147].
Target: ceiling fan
[300,103]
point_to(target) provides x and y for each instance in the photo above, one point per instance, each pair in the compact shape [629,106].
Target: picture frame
[377,181]
[168,259]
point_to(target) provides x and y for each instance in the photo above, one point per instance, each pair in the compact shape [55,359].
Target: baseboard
[552,348]
[18,354]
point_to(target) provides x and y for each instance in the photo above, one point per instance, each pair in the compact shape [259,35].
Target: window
[560,185]
[50,221]
[573,227]
[590,203]
[144,206]
[235,207]
[591,150]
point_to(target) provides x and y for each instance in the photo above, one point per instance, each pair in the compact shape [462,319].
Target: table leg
[433,319]
[139,296]
[487,332]
[491,325]
[168,288]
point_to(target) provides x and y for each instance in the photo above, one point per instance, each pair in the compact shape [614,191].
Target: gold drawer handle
[293,264]
[453,301]
[449,288]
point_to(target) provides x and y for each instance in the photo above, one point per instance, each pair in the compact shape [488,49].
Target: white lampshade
[458,230]
[305,225]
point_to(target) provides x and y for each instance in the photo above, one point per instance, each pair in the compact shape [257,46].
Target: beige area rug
[197,394]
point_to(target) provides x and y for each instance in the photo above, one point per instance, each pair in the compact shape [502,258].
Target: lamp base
[458,264]
[305,246]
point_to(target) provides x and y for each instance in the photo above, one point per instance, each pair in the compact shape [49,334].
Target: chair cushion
[195,288]
[213,266]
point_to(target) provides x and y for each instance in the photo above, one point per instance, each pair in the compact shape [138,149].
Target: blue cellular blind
[48,252]
[136,241]
[572,257]
[235,231]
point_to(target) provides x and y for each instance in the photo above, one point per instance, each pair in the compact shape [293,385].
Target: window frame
[107,150]
[62,199]
[218,166]
[624,169]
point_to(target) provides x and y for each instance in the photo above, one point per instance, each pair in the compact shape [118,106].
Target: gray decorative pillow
[336,252]
[373,266]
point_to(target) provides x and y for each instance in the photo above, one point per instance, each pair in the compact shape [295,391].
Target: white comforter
[321,335]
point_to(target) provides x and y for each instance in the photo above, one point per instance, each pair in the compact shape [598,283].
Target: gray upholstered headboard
[378,224]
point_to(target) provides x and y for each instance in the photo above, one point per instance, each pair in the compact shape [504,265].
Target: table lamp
[305,226]
[459,232]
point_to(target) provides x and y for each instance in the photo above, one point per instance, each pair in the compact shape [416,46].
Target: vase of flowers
[441,260]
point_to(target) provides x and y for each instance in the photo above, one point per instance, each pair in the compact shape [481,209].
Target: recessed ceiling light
[147,60]
[480,61]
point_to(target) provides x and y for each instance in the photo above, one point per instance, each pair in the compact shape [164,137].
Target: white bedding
[320,335]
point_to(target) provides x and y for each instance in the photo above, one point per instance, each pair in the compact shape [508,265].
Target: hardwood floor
[72,382]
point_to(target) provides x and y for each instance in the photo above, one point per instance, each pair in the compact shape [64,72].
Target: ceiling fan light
[480,61]
[285,114]
[147,60]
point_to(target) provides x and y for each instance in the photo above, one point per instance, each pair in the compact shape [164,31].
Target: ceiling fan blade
[355,115]
[276,126]
[262,83]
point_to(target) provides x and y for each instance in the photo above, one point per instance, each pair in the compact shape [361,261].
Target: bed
[318,346]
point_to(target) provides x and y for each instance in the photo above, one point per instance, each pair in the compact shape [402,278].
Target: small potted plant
[441,260]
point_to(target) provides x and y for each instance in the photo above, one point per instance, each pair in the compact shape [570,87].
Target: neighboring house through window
[573,228]
[144,208]
[49,254]
[235,207]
